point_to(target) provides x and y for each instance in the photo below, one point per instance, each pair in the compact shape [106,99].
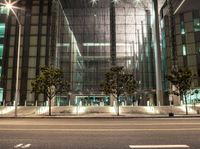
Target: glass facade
[84,40]
[164,32]
[3,15]
[89,43]
[193,97]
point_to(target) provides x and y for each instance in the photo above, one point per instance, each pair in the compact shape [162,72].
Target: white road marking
[26,146]
[22,146]
[18,145]
[119,124]
[99,130]
[157,146]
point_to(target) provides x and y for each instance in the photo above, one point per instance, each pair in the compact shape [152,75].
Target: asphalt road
[100,133]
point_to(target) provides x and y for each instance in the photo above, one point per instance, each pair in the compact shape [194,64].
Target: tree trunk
[117,105]
[49,107]
[186,108]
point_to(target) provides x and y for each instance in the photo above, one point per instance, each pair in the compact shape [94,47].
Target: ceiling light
[115,1]
[94,2]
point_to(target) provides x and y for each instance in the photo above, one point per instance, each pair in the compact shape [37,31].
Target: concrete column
[112,34]
[144,63]
[157,51]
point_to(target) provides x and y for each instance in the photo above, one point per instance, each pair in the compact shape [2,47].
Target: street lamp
[180,5]
[10,6]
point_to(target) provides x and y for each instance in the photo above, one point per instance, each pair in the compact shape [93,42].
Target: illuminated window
[3,10]
[184,50]
[0,70]
[1,94]
[197,25]
[2,30]
[198,47]
[1,51]
[182,28]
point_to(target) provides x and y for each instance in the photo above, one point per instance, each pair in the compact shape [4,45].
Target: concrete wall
[97,111]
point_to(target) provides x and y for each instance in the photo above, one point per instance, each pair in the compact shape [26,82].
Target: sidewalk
[100,116]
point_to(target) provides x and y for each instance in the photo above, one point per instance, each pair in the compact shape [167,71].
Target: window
[1,94]
[182,28]
[2,30]
[184,50]
[197,25]
[0,70]
[1,51]
[198,47]
[3,10]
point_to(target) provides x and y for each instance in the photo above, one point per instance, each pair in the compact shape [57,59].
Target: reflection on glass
[184,50]
[182,28]
[197,25]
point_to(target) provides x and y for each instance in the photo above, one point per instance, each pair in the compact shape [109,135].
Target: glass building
[100,35]
[180,41]
[84,39]
[3,13]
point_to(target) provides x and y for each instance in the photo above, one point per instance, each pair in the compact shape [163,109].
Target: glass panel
[3,10]
[182,28]
[0,70]
[194,97]
[184,50]
[197,25]
[1,94]
[198,47]
[2,30]
[1,51]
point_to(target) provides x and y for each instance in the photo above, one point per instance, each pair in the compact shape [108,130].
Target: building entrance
[92,100]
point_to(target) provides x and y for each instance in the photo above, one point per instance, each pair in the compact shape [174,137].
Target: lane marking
[119,124]
[18,145]
[22,146]
[97,130]
[26,146]
[158,146]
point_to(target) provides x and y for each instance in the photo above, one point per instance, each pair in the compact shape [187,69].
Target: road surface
[104,133]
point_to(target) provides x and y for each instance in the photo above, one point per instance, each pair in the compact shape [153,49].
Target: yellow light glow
[151,110]
[94,2]
[79,110]
[190,109]
[112,110]
[7,110]
[9,6]
[42,110]
[115,1]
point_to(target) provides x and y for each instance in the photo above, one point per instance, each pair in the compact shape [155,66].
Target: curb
[101,117]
